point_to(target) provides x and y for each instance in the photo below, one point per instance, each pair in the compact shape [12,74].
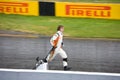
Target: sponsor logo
[88,10]
[13,7]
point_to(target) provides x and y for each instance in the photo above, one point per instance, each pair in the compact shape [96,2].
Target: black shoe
[66,68]
[37,59]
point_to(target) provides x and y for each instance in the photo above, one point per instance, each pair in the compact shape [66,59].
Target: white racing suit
[57,42]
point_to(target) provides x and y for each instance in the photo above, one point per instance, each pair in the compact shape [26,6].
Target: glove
[53,48]
[62,44]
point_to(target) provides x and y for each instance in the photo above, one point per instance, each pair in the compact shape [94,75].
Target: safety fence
[61,9]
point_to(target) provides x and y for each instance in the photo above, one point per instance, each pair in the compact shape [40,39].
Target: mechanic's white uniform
[56,41]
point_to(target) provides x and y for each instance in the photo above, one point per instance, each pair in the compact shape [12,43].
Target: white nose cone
[43,66]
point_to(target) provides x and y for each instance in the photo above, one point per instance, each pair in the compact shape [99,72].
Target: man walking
[57,42]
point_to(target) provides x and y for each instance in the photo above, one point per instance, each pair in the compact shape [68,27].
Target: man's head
[60,28]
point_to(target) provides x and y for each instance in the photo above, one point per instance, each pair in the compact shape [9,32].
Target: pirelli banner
[89,10]
[62,9]
[24,7]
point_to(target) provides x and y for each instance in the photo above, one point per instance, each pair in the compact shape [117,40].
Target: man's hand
[62,44]
[53,48]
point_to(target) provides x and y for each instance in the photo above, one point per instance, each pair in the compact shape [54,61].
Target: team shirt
[57,39]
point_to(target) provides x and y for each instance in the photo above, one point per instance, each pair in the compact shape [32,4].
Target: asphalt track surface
[92,55]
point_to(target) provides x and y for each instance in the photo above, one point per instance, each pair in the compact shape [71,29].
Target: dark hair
[59,27]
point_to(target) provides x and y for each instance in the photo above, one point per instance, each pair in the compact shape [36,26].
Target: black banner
[46,8]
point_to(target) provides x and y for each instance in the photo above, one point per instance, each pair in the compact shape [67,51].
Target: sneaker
[37,59]
[66,68]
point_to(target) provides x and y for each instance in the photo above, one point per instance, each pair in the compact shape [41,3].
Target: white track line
[62,72]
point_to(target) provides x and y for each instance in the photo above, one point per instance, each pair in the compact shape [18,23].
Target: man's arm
[54,40]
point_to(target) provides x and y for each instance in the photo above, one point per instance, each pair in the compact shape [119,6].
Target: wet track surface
[84,55]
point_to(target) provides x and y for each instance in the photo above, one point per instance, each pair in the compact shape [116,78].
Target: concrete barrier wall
[19,7]
[88,10]
[61,9]
[12,74]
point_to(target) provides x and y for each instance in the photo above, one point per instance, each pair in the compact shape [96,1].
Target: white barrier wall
[13,74]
